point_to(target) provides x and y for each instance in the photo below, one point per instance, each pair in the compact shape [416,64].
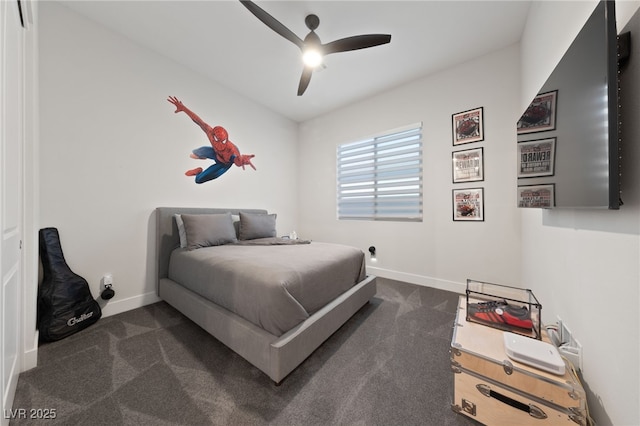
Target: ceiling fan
[312,49]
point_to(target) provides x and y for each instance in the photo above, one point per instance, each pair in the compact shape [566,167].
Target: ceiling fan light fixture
[312,57]
[312,48]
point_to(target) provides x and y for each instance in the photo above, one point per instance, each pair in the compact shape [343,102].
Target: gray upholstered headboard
[167,238]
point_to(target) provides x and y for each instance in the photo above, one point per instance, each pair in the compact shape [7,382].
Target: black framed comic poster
[468,126]
[468,204]
[536,196]
[536,158]
[468,165]
[540,116]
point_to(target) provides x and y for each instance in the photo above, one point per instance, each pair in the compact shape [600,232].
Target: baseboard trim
[422,280]
[114,307]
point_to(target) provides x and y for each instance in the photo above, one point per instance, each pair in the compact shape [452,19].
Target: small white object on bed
[320,295]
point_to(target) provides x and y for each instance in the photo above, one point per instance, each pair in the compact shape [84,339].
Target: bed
[273,342]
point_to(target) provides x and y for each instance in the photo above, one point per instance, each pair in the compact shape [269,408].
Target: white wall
[112,150]
[437,251]
[583,264]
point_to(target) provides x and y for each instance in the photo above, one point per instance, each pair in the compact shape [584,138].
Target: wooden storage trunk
[495,390]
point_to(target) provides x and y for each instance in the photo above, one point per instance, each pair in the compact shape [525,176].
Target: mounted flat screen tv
[568,141]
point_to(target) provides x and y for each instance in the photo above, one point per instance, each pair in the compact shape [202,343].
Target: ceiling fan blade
[356,42]
[272,23]
[304,80]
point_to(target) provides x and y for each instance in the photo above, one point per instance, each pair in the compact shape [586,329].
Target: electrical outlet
[560,324]
[554,336]
[564,332]
[107,280]
[573,354]
[107,291]
[569,347]
[578,346]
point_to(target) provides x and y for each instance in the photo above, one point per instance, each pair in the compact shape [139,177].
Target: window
[381,178]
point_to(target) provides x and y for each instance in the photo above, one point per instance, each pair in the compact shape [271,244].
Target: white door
[11,145]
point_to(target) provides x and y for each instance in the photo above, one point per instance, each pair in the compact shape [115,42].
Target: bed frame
[275,356]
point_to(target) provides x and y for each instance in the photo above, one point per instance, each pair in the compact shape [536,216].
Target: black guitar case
[65,304]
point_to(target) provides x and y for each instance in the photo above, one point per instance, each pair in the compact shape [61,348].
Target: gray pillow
[181,233]
[254,226]
[205,230]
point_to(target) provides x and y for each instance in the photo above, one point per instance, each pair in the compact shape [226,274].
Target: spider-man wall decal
[222,151]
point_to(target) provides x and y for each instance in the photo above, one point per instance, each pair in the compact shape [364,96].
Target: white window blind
[381,178]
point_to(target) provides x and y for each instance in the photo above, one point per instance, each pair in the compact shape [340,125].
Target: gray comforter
[273,285]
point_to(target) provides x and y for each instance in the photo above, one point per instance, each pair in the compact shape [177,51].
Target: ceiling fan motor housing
[312,42]
[312,21]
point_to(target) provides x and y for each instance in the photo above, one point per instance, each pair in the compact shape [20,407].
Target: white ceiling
[224,41]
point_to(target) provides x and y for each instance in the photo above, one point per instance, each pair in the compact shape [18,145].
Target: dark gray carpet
[388,365]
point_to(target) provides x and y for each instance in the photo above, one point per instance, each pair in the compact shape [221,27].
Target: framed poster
[468,204]
[468,126]
[536,158]
[468,165]
[540,116]
[536,196]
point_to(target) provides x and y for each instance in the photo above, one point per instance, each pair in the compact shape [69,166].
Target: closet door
[11,196]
